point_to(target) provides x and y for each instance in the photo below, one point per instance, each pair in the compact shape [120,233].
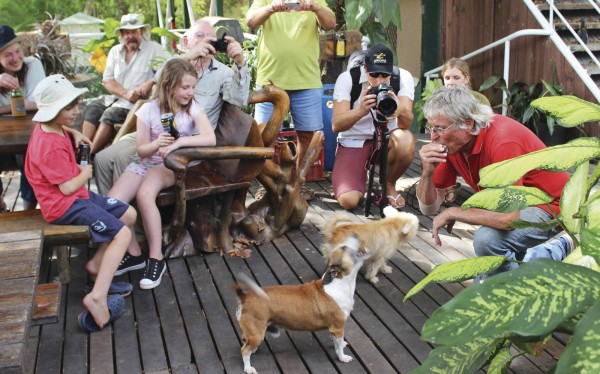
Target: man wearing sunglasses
[466,136]
[355,124]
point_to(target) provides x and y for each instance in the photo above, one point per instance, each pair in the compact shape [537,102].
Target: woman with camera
[355,123]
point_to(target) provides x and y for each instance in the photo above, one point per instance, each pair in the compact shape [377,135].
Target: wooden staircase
[585,20]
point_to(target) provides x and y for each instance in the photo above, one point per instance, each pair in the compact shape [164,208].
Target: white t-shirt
[363,129]
[150,114]
[35,73]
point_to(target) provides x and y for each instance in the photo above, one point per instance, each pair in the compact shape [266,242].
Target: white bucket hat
[132,21]
[52,94]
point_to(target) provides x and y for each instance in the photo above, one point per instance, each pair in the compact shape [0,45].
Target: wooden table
[15,133]
[19,268]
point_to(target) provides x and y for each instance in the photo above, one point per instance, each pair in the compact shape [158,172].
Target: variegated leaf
[573,195]
[578,258]
[460,359]
[590,234]
[501,362]
[507,199]
[570,111]
[557,158]
[457,271]
[531,300]
[582,354]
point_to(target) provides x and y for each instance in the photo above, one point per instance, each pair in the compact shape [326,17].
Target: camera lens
[386,104]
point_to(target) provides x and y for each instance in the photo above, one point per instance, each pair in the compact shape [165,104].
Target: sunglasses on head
[377,75]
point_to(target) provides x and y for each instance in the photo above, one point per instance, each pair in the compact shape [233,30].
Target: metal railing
[547,30]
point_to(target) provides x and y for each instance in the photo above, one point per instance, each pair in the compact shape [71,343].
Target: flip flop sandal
[452,193]
[116,288]
[395,200]
[116,305]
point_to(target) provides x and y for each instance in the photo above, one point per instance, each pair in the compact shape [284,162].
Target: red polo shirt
[503,140]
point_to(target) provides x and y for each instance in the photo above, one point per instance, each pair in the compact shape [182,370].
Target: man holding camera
[355,124]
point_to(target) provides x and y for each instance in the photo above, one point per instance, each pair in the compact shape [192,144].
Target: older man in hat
[354,122]
[130,67]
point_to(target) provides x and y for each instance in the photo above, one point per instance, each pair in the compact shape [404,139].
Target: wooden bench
[58,237]
[19,269]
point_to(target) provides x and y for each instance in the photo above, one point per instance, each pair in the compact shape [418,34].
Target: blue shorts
[100,213]
[305,106]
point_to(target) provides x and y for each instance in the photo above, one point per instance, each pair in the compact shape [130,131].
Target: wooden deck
[188,324]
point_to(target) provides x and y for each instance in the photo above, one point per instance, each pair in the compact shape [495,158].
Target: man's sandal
[394,203]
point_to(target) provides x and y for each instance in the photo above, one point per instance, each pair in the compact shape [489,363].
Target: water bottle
[84,150]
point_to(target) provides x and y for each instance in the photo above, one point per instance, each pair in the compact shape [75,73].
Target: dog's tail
[248,282]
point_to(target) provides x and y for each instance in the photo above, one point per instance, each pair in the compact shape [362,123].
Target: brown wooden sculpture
[209,197]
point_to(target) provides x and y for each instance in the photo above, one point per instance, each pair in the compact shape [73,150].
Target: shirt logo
[98,226]
[111,201]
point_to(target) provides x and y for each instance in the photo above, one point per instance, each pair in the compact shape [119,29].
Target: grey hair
[202,21]
[458,104]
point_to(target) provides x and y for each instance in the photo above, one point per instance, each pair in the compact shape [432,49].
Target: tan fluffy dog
[380,238]
[321,304]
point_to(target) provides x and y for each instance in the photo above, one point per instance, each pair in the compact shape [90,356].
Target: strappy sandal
[394,203]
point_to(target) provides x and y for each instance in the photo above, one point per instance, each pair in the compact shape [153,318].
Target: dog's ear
[331,273]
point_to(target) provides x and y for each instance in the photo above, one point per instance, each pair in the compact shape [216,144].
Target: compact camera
[220,45]
[292,5]
[386,104]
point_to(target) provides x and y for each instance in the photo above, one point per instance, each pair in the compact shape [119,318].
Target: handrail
[547,30]
[506,41]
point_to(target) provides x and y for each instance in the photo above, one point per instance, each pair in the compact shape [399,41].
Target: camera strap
[378,140]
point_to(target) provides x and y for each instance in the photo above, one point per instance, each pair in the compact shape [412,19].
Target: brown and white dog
[379,238]
[321,304]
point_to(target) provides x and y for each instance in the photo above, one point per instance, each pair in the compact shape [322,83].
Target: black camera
[220,45]
[386,104]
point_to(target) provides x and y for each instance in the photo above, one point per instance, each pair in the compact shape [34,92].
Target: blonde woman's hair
[461,65]
[168,82]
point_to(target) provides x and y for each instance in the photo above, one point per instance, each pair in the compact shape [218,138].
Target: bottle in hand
[84,154]
[17,103]
[169,125]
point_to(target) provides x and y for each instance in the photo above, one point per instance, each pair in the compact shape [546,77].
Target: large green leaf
[387,11]
[578,258]
[501,362]
[546,225]
[582,354]
[460,359]
[531,300]
[570,111]
[357,12]
[558,158]
[574,194]
[457,271]
[507,199]
[590,234]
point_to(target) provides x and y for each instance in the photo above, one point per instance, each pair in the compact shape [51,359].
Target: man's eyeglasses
[202,35]
[438,130]
[376,75]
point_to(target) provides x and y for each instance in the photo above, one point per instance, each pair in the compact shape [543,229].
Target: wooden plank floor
[188,324]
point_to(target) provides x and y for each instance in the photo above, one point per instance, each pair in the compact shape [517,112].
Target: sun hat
[132,21]
[379,59]
[7,37]
[52,94]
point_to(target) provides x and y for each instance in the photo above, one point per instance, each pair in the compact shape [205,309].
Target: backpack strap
[356,86]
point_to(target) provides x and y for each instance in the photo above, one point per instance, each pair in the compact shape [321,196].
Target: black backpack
[355,62]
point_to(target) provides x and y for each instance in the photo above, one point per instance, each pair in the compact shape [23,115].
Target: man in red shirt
[467,136]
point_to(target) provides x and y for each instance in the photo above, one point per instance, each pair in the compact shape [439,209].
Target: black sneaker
[153,274]
[129,263]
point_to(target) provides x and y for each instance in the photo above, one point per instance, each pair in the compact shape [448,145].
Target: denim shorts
[100,213]
[305,107]
[96,112]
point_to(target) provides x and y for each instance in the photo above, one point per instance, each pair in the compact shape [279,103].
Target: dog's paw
[345,358]
[386,269]
[250,370]
[373,280]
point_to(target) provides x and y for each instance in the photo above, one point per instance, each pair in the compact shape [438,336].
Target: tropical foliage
[523,307]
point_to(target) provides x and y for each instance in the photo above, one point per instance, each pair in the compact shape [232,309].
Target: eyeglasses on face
[437,129]
[376,75]
[201,35]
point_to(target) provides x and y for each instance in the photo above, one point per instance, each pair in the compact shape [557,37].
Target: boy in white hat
[59,185]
